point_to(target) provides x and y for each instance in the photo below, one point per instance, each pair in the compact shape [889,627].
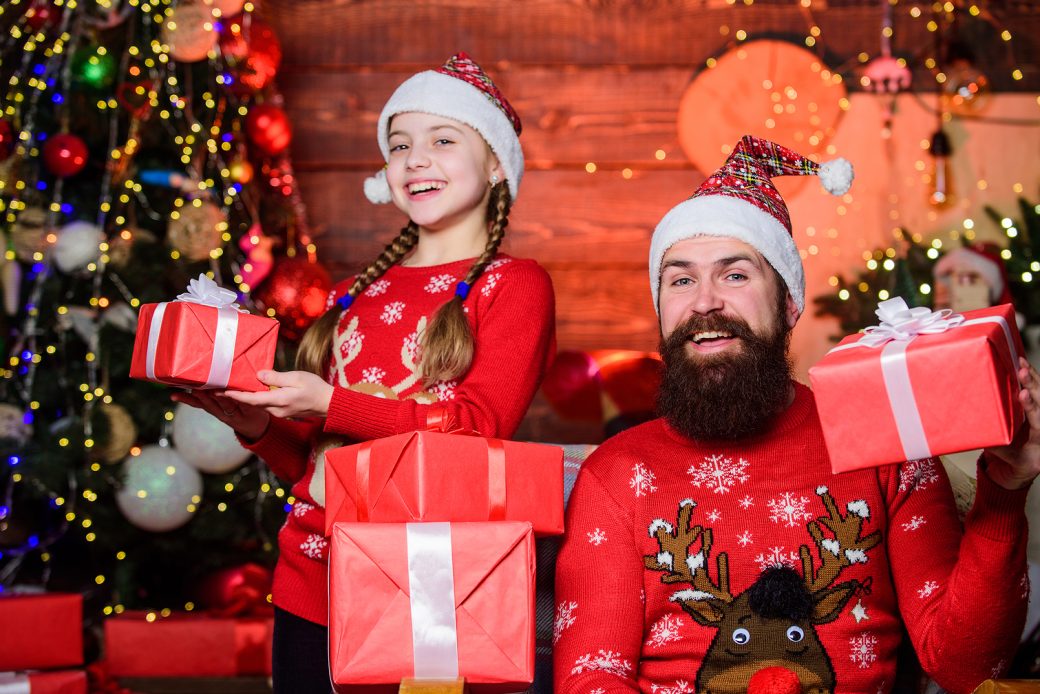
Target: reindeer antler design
[703,602]
[846,548]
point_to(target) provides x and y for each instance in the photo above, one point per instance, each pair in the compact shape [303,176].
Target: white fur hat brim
[723,215]
[441,95]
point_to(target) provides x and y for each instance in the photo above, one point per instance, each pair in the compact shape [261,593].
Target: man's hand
[296,394]
[1015,466]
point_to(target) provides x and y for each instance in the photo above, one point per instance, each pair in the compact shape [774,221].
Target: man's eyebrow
[721,262]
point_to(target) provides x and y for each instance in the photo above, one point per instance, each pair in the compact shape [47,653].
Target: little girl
[440,317]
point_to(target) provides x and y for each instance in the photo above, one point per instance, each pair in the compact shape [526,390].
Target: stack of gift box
[41,644]
[432,558]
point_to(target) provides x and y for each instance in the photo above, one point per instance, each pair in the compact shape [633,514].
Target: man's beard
[725,395]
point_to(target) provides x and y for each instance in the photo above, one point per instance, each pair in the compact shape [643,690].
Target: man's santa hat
[740,201]
[983,260]
[462,91]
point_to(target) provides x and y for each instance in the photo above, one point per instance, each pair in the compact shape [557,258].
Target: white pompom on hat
[462,91]
[740,201]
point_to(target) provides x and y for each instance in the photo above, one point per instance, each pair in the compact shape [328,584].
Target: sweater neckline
[440,267]
[789,420]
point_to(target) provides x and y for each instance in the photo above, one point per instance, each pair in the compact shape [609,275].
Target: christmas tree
[142,143]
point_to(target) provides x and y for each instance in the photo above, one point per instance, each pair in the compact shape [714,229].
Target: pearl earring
[494,179]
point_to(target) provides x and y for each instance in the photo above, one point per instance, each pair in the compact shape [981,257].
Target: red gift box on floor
[432,476]
[432,601]
[42,630]
[203,340]
[58,682]
[187,645]
[921,384]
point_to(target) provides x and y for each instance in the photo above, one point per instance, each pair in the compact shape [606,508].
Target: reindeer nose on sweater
[774,680]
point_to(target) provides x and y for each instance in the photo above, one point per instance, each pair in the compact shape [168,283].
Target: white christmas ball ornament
[206,442]
[12,424]
[160,489]
[77,246]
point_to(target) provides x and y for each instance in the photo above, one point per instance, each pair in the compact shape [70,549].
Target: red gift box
[187,645]
[432,476]
[58,682]
[920,395]
[432,601]
[202,340]
[41,631]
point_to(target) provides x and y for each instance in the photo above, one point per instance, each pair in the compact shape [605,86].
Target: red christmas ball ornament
[41,15]
[65,155]
[253,51]
[296,290]
[6,140]
[268,128]
[236,590]
[572,386]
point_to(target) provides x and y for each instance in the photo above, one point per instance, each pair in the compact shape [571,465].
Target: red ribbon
[439,420]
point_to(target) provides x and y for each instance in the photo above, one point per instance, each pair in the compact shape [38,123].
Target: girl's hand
[248,422]
[296,394]
[1015,466]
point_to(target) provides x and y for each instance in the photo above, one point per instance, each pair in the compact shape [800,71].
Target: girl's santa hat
[462,91]
[740,201]
[983,260]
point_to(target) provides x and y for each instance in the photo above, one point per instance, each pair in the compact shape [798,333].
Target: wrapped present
[187,645]
[56,682]
[433,476]
[203,340]
[41,630]
[432,601]
[920,384]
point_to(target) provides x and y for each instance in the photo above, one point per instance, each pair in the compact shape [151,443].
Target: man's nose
[706,299]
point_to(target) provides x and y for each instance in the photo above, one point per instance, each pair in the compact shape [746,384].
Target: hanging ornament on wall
[160,489]
[64,154]
[6,139]
[198,230]
[92,67]
[77,246]
[13,427]
[205,442]
[940,149]
[268,129]
[28,234]
[297,291]
[966,88]
[120,437]
[190,33]
[252,49]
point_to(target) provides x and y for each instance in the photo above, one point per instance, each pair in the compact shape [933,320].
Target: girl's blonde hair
[446,346]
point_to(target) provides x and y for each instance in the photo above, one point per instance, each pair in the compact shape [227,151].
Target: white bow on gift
[208,293]
[899,322]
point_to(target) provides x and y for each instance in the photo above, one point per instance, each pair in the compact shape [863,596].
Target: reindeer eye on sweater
[741,636]
[795,634]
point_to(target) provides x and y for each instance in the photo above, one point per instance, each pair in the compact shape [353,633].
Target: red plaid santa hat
[740,201]
[462,91]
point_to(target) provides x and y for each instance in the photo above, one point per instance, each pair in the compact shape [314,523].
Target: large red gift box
[432,476]
[43,630]
[57,682]
[920,395]
[195,344]
[432,601]
[187,645]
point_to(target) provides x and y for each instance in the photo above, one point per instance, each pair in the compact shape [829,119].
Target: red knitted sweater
[660,585]
[511,311]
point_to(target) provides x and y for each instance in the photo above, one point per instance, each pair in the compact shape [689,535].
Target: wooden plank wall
[593,80]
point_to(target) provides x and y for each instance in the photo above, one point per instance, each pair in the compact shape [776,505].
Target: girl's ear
[495,174]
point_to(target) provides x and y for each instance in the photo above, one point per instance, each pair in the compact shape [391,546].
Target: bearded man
[713,550]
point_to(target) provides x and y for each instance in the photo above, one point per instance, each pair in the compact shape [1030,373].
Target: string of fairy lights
[42,44]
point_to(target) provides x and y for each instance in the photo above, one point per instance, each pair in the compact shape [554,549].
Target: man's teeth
[709,335]
[415,188]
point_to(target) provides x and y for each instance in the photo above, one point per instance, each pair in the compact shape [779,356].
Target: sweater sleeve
[962,598]
[515,338]
[598,626]
[285,446]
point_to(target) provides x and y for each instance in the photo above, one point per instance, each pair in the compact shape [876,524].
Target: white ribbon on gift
[205,292]
[899,326]
[14,683]
[431,589]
